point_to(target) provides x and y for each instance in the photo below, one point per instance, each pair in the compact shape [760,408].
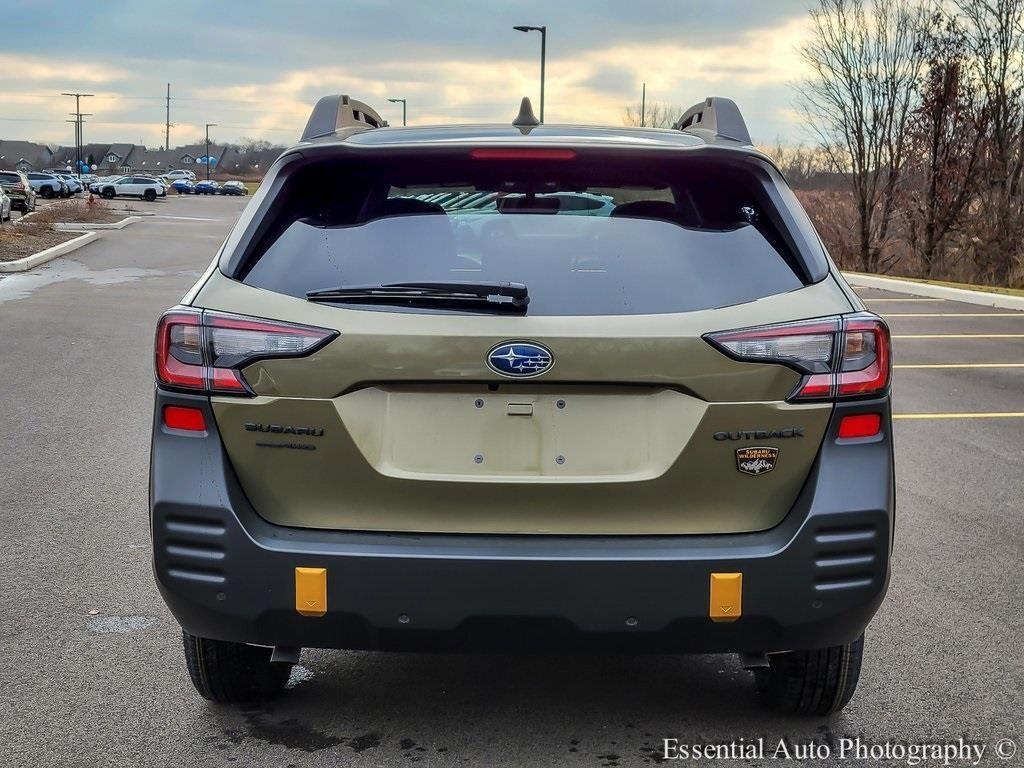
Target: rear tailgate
[400,425]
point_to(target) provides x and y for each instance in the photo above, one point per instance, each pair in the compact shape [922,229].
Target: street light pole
[543,56]
[208,127]
[402,101]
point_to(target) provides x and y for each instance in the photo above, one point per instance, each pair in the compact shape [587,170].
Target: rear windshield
[614,238]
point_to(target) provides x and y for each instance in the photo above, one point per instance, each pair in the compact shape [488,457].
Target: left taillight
[839,357]
[203,351]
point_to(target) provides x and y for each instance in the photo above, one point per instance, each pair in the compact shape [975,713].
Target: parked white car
[180,174]
[97,186]
[74,185]
[133,186]
[48,185]
[5,206]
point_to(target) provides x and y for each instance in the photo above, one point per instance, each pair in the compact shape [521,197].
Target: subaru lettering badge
[520,359]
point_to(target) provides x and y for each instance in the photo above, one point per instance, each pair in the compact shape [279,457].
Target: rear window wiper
[500,297]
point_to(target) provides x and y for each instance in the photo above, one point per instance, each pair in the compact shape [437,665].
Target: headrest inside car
[402,206]
[648,209]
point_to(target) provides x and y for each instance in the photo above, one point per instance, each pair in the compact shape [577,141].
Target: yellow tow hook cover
[726,596]
[311,591]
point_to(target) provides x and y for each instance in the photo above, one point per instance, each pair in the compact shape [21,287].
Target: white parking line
[871,301]
[959,365]
[953,314]
[959,336]
[922,416]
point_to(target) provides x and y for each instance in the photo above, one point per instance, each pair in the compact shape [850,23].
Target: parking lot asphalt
[91,668]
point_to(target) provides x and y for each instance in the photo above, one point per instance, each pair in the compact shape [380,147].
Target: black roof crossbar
[714,119]
[332,113]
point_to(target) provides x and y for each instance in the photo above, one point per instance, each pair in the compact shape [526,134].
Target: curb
[21,265]
[982,298]
[82,226]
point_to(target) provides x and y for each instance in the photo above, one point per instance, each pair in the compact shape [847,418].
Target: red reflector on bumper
[861,425]
[180,417]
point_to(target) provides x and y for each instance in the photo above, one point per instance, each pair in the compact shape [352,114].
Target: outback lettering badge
[760,434]
[756,461]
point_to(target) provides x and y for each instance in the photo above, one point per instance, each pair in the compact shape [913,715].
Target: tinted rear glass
[619,237]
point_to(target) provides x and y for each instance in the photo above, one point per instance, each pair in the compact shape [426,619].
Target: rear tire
[816,682]
[233,673]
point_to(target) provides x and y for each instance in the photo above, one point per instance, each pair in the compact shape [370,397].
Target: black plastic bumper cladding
[814,580]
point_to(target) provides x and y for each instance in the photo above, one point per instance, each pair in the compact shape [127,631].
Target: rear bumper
[814,580]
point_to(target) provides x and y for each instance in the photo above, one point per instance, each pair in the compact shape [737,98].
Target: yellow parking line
[953,314]
[1005,415]
[959,336]
[960,365]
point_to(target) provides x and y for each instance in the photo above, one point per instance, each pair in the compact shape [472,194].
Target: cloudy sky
[256,67]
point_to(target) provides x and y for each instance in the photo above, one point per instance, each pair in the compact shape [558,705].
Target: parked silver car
[18,188]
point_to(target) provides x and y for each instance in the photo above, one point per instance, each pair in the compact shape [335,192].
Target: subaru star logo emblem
[520,359]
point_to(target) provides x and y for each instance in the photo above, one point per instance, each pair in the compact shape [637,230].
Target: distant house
[195,154]
[121,157]
[108,158]
[135,158]
[24,156]
[190,157]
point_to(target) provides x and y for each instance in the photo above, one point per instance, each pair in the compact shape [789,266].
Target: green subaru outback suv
[434,407]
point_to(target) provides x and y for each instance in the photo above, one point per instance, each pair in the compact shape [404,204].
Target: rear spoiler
[333,113]
[715,119]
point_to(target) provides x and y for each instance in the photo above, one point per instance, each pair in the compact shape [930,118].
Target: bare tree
[995,30]
[866,63]
[946,134]
[655,115]
[798,163]
[250,144]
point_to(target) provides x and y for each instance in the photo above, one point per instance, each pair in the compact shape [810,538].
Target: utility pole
[79,121]
[78,129]
[167,132]
[208,127]
[643,106]
[78,133]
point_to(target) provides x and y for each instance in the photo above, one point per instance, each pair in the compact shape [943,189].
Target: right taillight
[865,365]
[839,357]
[205,351]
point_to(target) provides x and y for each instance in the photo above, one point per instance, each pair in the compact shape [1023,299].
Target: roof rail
[716,116]
[332,113]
